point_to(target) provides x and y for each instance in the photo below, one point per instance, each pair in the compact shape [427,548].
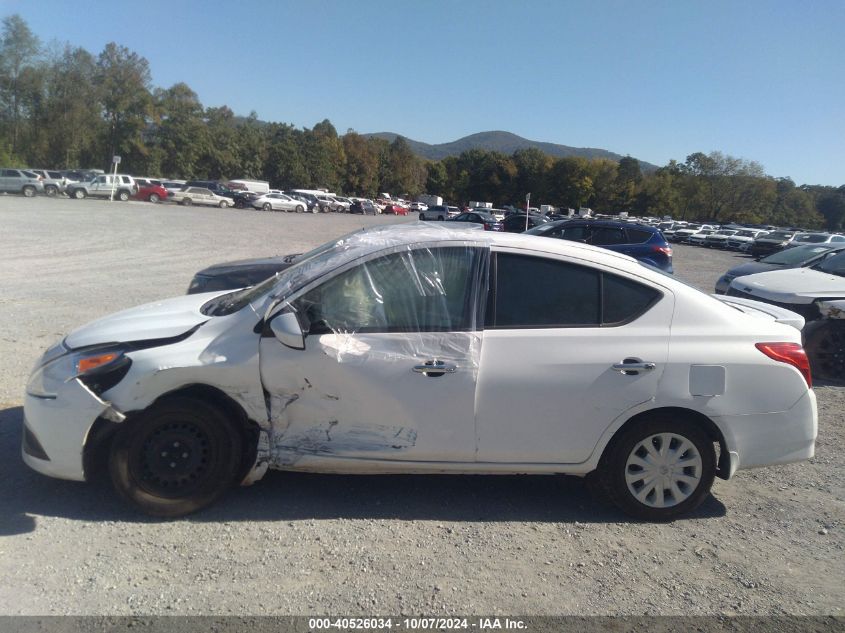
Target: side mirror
[285,327]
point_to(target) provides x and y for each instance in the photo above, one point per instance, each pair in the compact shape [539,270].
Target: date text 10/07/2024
[417,624]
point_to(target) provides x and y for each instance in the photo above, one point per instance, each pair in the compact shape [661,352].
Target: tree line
[64,107]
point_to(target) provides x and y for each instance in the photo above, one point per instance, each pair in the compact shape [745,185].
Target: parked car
[699,237]
[54,182]
[644,243]
[20,181]
[719,239]
[435,212]
[116,186]
[771,243]
[797,257]
[151,192]
[364,207]
[239,274]
[682,235]
[743,237]
[278,202]
[199,195]
[613,370]
[214,186]
[486,220]
[173,186]
[394,209]
[796,289]
[825,342]
[816,238]
[516,223]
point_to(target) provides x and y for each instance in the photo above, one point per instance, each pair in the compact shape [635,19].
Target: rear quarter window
[638,236]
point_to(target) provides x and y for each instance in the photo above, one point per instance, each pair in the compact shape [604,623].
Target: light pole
[527,206]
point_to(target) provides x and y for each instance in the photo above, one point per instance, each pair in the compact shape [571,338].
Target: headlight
[100,369]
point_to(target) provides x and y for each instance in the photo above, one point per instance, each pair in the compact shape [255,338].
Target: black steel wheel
[175,458]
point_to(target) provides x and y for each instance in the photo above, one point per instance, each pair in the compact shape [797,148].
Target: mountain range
[504,142]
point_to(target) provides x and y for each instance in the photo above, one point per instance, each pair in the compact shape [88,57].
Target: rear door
[557,338]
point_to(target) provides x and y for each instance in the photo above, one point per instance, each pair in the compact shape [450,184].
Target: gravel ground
[768,542]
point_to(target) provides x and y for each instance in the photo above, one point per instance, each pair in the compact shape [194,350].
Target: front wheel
[123,196]
[659,468]
[223,204]
[29,191]
[187,202]
[51,191]
[175,458]
[300,208]
[267,206]
[79,194]
[154,197]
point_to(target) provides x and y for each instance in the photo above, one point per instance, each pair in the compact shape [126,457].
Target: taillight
[666,250]
[791,354]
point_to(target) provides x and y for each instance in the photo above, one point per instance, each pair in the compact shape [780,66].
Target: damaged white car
[420,348]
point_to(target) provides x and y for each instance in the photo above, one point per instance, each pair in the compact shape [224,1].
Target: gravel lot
[768,542]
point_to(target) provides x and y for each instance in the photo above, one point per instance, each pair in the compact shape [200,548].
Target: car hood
[158,320]
[794,285]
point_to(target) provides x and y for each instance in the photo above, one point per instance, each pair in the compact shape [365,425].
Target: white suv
[121,186]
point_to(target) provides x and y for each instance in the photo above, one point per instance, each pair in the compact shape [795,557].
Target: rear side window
[606,236]
[638,236]
[535,292]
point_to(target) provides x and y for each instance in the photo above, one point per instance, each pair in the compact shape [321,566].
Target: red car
[395,209]
[151,193]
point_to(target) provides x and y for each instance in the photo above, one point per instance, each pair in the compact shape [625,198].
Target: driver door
[368,384]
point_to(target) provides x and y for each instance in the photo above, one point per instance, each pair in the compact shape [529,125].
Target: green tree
[360,175]
[831,204]
[19,49]
[181,135]
[123,79]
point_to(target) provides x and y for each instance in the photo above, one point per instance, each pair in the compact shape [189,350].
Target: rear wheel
[422,216]
[267,206]
[51,190]
[300,208]
[187,202]
[659,468]
[79,194]
[123,195]
[440,218]
[223,204]
[154,197]
[175,458]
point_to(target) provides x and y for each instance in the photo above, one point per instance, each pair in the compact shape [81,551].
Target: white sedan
[277,201]
[199,195]
[420,348]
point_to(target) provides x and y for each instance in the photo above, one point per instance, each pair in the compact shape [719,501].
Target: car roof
[608,223]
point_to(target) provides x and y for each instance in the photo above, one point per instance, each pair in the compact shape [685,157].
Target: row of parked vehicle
[757,241]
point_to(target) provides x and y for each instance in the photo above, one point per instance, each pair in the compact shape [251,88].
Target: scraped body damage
[356,396]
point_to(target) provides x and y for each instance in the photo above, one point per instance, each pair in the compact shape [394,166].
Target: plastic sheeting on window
[407,292]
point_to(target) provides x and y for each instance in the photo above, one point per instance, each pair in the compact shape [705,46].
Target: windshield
[286,279]
[795,256]
[779,235]
[745,234]
[835,265]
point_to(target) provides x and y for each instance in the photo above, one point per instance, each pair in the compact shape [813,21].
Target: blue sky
[657,80]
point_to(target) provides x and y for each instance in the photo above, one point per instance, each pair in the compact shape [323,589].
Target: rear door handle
[632,366]
[434,368]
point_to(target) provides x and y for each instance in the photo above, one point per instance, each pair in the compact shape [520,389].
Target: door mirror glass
[286,329]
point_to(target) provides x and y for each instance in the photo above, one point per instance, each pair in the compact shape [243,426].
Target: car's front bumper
[59,424]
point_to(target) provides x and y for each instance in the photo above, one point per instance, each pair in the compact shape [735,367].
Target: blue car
[644,243]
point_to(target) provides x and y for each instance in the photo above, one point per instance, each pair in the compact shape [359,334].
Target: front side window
[425,290]
[535,292]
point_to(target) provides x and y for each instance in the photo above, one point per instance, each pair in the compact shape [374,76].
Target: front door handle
[633,366]
[435,368]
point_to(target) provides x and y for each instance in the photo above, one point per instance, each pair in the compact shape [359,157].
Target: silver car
[278,202]
[20,181]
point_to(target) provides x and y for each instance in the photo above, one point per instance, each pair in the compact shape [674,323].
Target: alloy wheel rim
[663,470]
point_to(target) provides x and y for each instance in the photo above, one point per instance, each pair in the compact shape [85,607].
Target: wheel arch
[98,439]
[714,433]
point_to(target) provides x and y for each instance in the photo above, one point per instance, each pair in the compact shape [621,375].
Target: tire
[300,208]
[440,218]
[187,202]
[267,206]
[205,463]
[624,470]
[422,216]
[79,194]
[123,195]
[154,197]
[223,204]
[28,191]
[315,209]
[825,347]
[51,191]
